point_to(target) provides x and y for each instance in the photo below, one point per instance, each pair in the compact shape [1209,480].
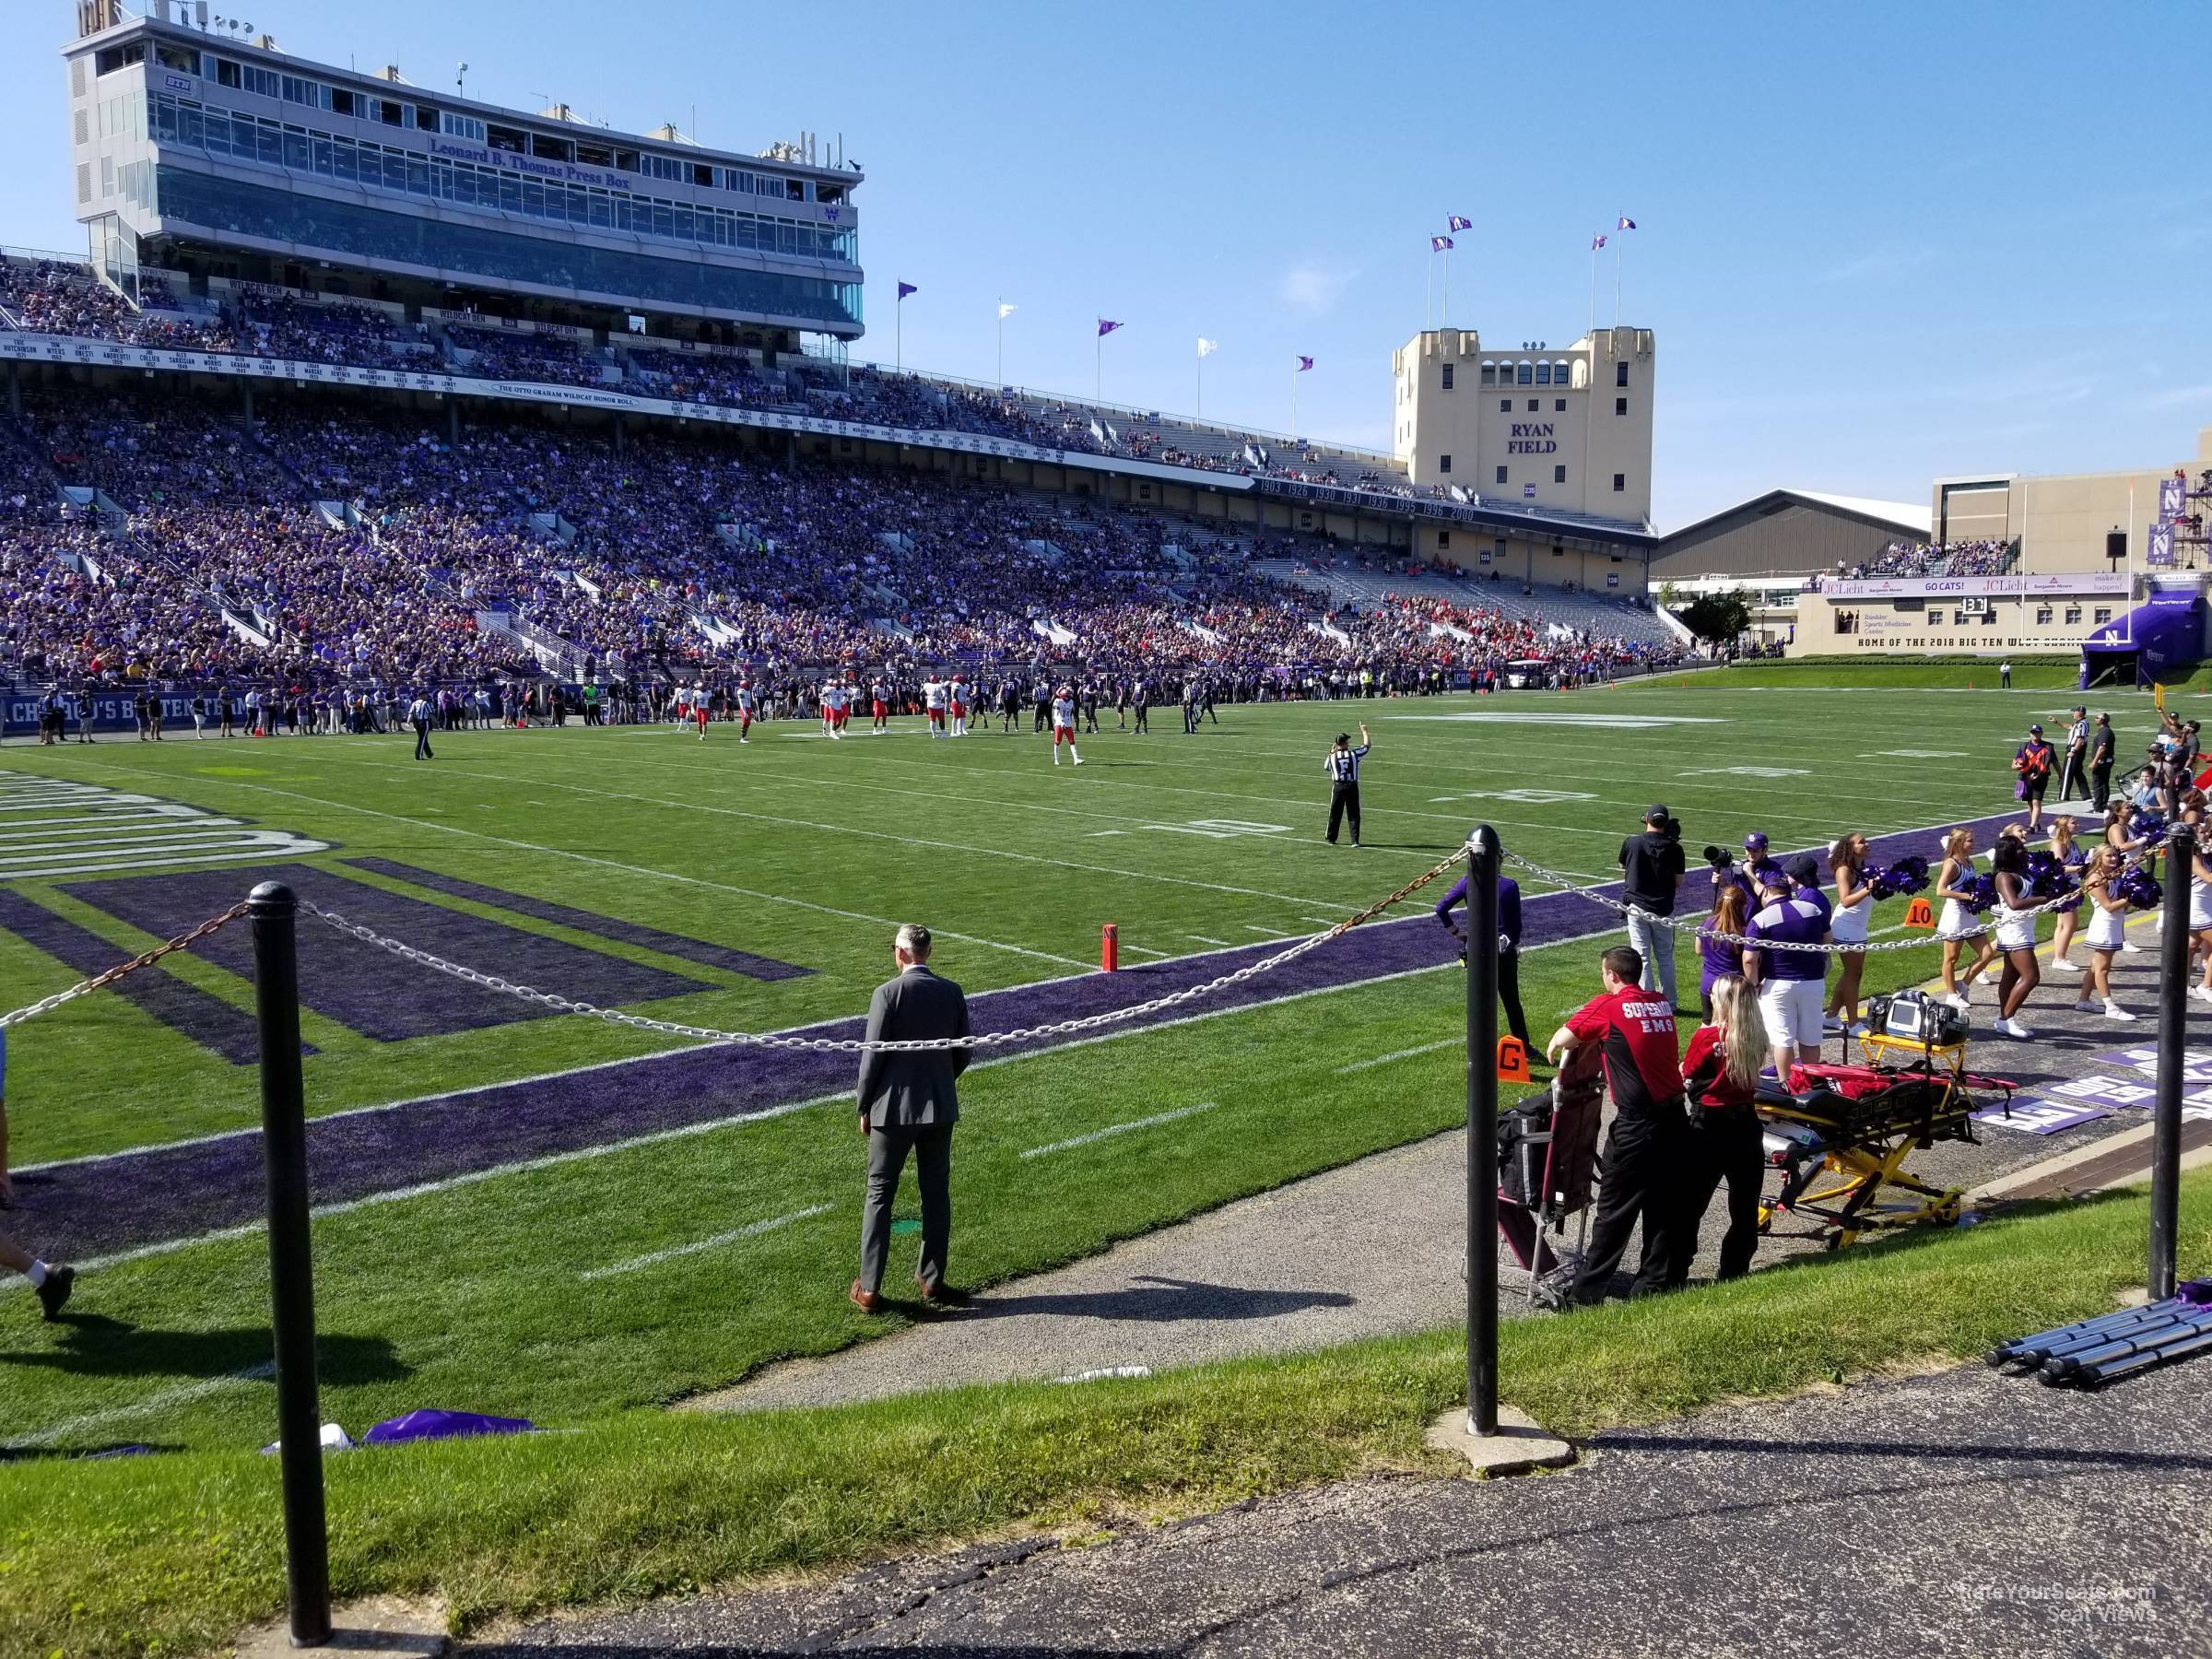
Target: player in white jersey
[880,707]
[702,705]
[932,703]
[959,706]
[745,710]
[1064,725]
[833,697]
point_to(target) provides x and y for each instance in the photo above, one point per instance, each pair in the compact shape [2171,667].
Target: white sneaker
[1079,759]
[2114,1011]
[2202,993]
[1832,1024]
[1956,1000]
[2088,1006]
[2130,946]
[1859,1028]
[2012,1028]
[2060,965]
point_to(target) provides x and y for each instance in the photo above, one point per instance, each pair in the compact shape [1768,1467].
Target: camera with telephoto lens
[1720,858]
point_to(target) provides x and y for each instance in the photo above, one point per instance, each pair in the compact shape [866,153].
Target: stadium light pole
[2174,1030]
[291,1275]
[1483,855]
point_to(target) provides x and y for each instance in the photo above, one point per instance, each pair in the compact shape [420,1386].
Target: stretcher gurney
[1546,1169]
[1858,1124]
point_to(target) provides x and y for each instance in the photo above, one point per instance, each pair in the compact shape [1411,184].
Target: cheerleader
[2073,860]
[1847,926]
[2016,933]
[2108,930]
[1958,925]
[2200,913]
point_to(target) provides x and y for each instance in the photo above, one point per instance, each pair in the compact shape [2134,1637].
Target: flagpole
[1445,320]
[1429,299]
[1098,368]
[899,335]
[1618,238]
[1293,406]
[1594,289]
[1002,341]
[1201,409]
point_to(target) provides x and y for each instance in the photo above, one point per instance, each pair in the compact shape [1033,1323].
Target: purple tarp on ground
[372,991]
[92,1206]
[208,1020]
[628,933]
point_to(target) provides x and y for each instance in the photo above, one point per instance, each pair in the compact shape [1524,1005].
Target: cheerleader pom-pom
[2147,826]
[1909,874]
[2138,887]
[1981,892]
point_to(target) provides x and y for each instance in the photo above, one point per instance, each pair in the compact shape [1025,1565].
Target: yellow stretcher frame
[1873,1168]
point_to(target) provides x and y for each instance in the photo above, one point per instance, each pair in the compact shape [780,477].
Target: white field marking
[716,1242]
[630,869]
[165,861]
[1748,772]
[181,1394]
[1272,933]
[906,841]
[1519,797]
[1113,1129]
[1146,951]
[1627,722]
[1097,834]
[1426,1048]
[48,835]
[1204,940]
[102,823]
[1915,755]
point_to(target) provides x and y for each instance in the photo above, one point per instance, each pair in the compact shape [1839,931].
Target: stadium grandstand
[366,384]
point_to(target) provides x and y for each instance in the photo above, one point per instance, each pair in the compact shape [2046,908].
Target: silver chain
[855,1045]
[1683,924]
[122,970]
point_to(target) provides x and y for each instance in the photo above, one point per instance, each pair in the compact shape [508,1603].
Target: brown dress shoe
[867,1301]
[937,1290]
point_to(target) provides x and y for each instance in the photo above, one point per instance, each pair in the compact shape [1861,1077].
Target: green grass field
[808,851]
[587,1291]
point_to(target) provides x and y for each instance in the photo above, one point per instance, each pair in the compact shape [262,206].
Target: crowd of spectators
[1985,557]
[524,547]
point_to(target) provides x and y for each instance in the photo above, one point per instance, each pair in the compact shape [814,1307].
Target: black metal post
[291,1275]
[2173,1034]
[1482,1130]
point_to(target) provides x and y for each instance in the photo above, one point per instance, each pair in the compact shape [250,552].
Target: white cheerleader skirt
[2015,929]
[1958,923]
[2108,929]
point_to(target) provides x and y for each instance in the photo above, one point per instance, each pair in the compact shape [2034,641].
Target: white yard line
[181,1394]
[1113,1129]
[716,1242]
[1426,1048]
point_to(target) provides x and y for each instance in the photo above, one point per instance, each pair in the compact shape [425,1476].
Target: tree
[1717,618]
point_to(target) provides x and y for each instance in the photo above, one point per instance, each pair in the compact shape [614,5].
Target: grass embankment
[180,1552]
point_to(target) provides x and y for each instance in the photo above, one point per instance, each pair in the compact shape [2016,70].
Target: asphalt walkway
[1964,1513]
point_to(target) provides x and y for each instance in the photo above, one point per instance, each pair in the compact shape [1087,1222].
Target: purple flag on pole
[1438,244]
[907,287]
[1458,222]
[1304,363]
[1625,223]
[1105,327]
[1596,243]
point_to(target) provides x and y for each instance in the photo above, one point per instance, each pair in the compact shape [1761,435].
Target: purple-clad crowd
[340,540]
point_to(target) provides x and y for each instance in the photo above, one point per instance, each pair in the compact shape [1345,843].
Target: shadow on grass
[90,1345]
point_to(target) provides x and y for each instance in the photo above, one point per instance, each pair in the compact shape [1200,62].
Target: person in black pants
[1508,946]
[1343,783]
[1725,1142]
[1642,1183]
[418,714]
[2101,761]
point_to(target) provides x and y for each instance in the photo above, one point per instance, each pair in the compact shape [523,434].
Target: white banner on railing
[2016,585]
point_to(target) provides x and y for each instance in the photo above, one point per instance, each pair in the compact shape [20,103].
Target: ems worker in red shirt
[1635,1029]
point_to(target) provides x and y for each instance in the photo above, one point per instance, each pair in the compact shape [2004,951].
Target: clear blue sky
[1878,243]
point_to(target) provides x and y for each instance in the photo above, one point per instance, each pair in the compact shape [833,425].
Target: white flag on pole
[1005,311]
[1206,345]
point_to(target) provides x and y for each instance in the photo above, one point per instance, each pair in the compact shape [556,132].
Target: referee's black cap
[1342,738]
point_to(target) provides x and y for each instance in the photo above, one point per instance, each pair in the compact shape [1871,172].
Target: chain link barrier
[1687,925]
[100,982]
[855,1045]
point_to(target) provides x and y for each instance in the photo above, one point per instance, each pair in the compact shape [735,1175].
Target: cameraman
[1652,869]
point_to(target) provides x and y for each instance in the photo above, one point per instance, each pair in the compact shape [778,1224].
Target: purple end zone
[208,1020]
[93,1206]
[372,991]
[608,927]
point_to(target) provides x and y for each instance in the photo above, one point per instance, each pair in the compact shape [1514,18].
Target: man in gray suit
[908,1104]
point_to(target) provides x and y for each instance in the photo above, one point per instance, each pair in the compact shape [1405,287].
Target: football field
[526,1212]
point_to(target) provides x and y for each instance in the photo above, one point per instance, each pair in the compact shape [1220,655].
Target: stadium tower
[200,148]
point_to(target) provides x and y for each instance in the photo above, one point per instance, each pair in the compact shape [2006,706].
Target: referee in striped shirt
[1343,783]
